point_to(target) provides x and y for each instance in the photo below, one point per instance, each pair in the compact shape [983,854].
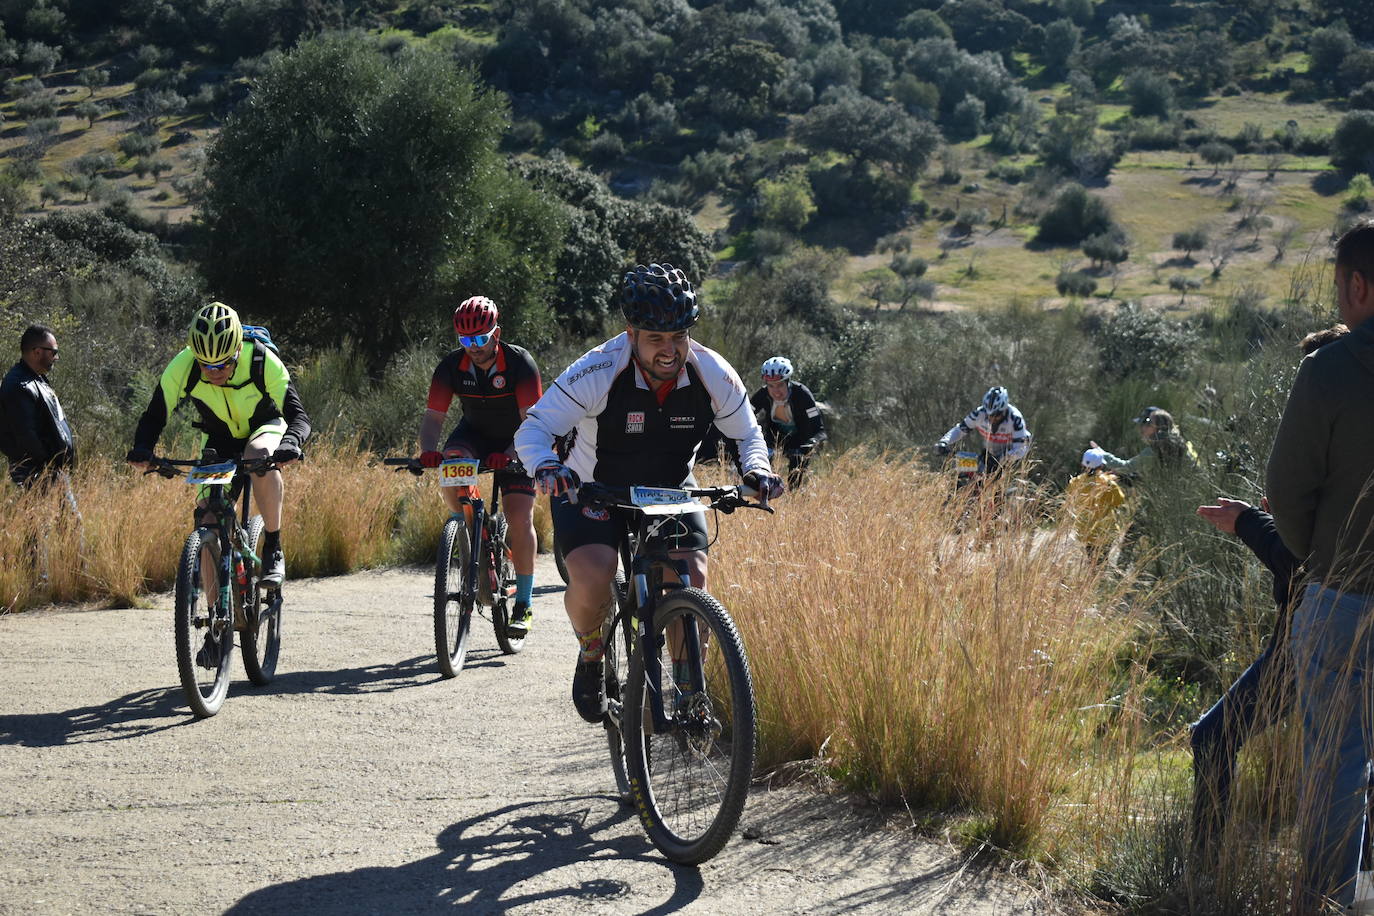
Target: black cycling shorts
[473,444]
[578,526]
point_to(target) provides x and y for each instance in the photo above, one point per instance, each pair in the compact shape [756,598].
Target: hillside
[751,120]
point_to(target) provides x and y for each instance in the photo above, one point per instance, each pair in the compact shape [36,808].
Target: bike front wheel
[689,782]
[453,597]
[260,641]
[204,634]
[616,643]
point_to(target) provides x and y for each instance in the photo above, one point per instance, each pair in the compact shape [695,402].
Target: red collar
[661,393]
[466,365]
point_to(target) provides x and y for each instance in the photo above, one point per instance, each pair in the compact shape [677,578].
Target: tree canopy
[357,194]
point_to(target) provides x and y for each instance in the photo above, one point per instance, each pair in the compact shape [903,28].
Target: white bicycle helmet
[996,400]
[1092,458]
[777,368]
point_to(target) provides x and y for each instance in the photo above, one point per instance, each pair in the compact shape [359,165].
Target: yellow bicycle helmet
[216,333]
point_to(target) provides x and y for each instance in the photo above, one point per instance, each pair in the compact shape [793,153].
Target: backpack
[257,372]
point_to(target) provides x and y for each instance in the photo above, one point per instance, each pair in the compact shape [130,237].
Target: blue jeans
[1261,696]
[1332,649]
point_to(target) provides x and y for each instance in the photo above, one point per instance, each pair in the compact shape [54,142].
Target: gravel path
[361,782]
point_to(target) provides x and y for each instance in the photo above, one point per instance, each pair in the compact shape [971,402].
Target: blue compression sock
[524,588]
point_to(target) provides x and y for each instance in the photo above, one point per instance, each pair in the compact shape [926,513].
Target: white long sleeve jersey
[1011,438]
[625,433]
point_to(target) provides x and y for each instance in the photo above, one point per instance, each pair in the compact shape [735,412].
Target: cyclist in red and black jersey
[495,382]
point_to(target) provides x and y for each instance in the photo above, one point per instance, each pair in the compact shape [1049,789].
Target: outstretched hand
[1223,515]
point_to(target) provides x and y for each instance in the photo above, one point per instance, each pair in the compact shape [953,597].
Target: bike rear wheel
[260,641]
[502,602]
[198,624]
[690,782]
[617,647]
[453,597]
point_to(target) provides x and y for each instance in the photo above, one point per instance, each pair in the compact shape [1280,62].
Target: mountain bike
[473,565]
[680,721]
[206,620]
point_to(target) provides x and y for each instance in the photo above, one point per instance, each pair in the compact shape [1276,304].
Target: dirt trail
[361,782]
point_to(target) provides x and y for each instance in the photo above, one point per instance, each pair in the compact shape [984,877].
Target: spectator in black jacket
[38,441]
[1264,692]
[1259,697]
[790,417]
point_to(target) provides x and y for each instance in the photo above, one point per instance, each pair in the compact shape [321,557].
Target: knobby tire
[205,688]
[452,600]
[260,641]
[689,785]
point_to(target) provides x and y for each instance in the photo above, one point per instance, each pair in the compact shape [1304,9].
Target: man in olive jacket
[1320,471]
[37,439]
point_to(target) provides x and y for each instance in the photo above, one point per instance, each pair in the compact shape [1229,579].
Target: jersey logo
[593,368]
[596,515]
[498,381]
[634,421]
[682,422]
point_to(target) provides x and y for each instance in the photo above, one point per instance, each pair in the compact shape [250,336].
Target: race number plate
[663,501]
[458,472]
[209,474]
[966,462]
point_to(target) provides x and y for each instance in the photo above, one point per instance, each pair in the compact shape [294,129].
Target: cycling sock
[524,588]
[272,541]
[592,648]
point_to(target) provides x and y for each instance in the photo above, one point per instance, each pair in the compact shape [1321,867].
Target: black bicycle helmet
[658,298]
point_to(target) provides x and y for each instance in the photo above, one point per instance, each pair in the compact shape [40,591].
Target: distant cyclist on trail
[1001,425]
[790,417]
[496,383]
[248,408]
[641,404]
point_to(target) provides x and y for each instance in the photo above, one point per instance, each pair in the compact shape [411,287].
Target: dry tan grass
[927,662]
[343,512]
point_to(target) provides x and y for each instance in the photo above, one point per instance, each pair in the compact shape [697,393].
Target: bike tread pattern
[453,599]
[691,829]
[204,699]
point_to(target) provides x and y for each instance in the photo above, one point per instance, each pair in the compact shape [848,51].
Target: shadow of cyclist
[494,862]
[147,711]
[130,716]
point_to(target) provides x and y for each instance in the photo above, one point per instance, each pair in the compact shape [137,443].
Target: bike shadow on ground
[528,854]
[144,712]
[130,716]
[420,671]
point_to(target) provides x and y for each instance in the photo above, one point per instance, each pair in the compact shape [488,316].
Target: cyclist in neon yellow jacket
[247,405]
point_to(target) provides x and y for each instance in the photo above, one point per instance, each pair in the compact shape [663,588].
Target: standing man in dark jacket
[789,415]
[1318,479]
[39,441]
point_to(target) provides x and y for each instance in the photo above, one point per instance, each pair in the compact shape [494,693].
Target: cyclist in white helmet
[1004,431]
[789,415]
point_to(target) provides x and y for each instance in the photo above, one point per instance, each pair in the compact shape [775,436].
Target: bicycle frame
[480,539]
[646,585]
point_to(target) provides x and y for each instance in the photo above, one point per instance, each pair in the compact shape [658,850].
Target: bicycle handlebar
[723,499]
[167,467]
[414,466]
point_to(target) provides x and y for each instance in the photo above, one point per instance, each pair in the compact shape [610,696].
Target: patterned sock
[592,648]
[524,588]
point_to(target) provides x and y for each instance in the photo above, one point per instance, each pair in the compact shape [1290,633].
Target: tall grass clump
[931,660]
[343,511]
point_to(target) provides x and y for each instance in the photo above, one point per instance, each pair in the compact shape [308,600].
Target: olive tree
[357,194]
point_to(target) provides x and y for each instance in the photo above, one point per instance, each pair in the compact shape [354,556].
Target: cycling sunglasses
[215,367]
[476,340]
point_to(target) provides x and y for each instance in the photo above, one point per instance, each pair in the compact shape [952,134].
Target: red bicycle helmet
[475,316]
